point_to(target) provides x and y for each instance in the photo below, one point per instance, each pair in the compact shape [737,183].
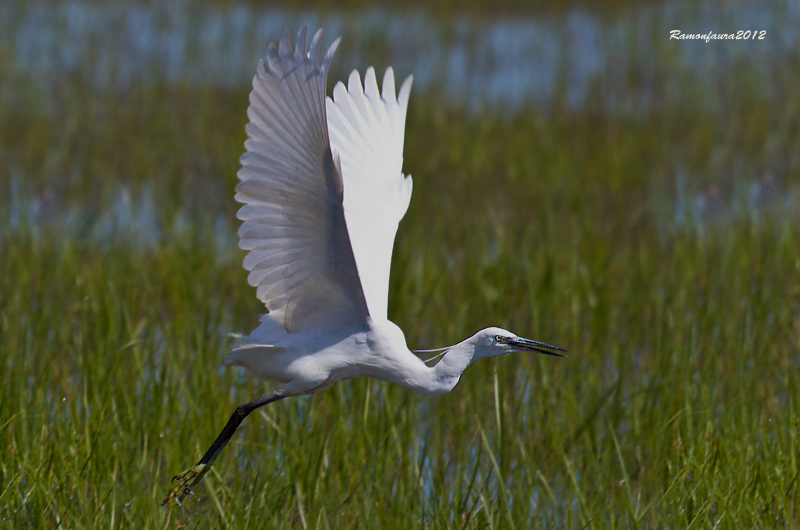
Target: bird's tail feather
[250,355]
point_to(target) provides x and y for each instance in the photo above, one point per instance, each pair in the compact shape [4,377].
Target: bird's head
[491,342]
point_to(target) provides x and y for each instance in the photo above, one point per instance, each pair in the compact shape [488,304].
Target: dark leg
[238,416]
[192,476]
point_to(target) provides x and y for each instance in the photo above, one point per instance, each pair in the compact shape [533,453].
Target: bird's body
[309,361]
[323,194]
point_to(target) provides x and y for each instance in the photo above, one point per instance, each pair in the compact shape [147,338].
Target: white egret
[323,193]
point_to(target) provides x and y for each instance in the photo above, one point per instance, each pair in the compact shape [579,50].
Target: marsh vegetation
[644,215]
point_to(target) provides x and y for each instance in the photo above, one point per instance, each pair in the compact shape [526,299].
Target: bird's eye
[499,338]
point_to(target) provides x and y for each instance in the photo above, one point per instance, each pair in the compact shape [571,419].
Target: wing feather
[300,257]
[366,129]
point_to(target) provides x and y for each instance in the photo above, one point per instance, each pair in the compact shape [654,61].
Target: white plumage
[366,132]
[300,258]
[323,193]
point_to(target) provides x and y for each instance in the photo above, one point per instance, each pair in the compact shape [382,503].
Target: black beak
[534,345]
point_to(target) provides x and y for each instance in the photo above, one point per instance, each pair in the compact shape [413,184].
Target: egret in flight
[323,193]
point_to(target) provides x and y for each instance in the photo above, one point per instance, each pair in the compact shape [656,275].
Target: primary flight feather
[323,193]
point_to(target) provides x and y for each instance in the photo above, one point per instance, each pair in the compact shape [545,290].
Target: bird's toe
[186,482]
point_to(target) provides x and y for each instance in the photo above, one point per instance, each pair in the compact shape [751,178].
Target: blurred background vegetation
[579,178]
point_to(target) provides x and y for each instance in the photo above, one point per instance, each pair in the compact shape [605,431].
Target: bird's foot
[186,482]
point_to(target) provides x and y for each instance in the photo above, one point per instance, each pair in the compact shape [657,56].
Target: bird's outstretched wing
[366,132]
[300,258]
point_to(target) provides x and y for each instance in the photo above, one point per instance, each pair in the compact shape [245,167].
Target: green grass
[677,406]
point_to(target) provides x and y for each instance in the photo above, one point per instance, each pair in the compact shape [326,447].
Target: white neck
[443,376]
